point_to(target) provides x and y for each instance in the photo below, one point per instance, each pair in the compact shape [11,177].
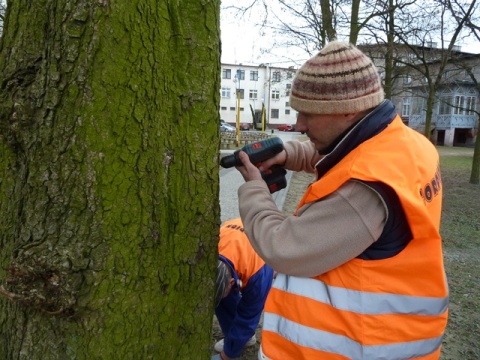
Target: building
[247,89]
[455,97]
[416,79]
[455,108]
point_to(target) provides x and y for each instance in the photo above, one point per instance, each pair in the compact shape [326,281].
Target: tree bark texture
[109,209]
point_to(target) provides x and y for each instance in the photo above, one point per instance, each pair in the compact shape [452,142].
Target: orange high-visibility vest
[393,308]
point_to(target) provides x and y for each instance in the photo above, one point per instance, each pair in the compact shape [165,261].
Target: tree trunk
[390,54]
[475,173]
[327,21]
[109,209]
[432,90]
[354,23]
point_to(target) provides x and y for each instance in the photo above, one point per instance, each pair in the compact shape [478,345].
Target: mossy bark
[109,209]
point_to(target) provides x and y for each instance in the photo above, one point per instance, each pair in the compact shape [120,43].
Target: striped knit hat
[340,79]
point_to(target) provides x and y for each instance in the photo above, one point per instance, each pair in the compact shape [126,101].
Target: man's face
[323,130]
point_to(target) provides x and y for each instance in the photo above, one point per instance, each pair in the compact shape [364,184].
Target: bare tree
[307,25]
[379,39]
[419,40]
[475,173]
[459,11]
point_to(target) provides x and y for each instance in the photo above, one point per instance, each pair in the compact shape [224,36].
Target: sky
[242,43]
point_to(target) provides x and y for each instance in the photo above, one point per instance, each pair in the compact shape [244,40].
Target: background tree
[422,51]
[308,25]
[109,209]
[475,173]
[2,15]
[459,10]
[382,31]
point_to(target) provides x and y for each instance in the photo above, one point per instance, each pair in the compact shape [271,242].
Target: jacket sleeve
[301,156]
[249,311]
[323,235]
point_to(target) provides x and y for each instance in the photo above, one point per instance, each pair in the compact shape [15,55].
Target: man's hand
[248,170]
[251,172]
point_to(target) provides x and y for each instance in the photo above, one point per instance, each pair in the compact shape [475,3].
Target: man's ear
[232,281]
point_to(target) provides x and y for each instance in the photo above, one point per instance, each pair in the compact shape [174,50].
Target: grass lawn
[460,230]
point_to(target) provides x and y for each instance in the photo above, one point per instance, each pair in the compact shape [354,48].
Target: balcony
[444,122]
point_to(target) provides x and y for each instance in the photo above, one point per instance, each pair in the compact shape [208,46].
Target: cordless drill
[257,153]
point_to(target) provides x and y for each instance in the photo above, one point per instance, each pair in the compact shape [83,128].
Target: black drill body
[257,153]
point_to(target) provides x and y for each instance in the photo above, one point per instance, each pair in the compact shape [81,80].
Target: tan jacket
[286,242]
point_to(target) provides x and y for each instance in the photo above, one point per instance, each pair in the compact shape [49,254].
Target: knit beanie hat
[340,79]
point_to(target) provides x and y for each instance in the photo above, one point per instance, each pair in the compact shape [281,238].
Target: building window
[254,75]
[276,94]
[240,74]
[406,107]
[445,107]
[458,105]
[224,108]
[226,93]
[470,105]
[253,94]
[226,74]
[241,92]
[274,114]
[232,108]
[276,76]
[289,75]
[287,111]
[407,79]
[287,104]
[289,86]
[287,93]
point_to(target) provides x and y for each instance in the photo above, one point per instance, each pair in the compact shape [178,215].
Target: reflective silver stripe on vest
[342,345]
[361,302]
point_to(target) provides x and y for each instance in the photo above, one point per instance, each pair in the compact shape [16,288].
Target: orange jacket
[394,308]
[235,247]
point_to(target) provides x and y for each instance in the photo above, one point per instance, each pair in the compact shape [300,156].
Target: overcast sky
[242,43]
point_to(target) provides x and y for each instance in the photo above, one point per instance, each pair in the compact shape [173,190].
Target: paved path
[231,179]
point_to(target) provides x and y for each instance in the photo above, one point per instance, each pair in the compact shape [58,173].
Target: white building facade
[258,86]
[455,118]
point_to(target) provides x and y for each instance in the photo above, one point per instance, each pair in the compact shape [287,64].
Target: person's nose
[301,125]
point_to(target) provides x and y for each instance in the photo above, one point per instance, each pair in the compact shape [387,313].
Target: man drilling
[360,263]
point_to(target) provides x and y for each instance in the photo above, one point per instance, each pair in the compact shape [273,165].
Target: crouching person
[242,285]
